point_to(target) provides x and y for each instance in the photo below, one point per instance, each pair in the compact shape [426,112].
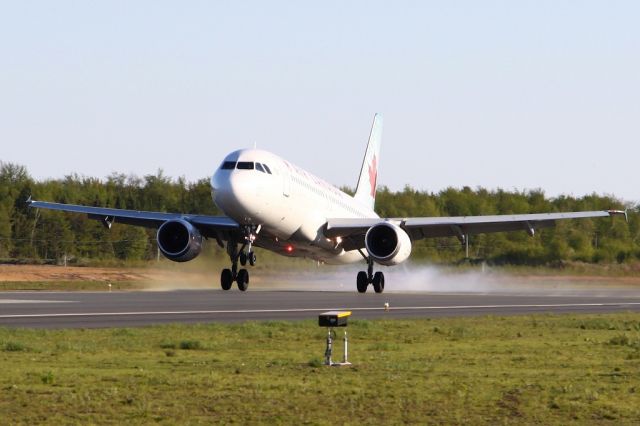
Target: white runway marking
[275,311]
[14,301]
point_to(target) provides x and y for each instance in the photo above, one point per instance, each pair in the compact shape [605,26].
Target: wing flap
[352,230]
[430,227]
[209,226]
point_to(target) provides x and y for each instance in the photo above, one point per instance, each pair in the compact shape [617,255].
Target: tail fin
[366,189]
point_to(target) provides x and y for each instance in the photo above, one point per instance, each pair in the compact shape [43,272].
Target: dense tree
[33,234]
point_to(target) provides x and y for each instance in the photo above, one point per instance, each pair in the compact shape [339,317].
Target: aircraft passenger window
[259,167]
[245,165]
[228,165]
[267,168]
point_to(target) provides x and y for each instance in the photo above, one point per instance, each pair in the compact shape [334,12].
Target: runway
[119,309]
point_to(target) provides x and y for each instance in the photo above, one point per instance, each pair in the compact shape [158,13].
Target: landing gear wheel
[243,279]
[226,279]
[378,282]
[362,282]
[243,258]
[252,258]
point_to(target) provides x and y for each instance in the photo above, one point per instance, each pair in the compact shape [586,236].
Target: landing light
[289,248]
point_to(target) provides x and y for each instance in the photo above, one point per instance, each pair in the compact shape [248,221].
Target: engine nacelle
[179,240]
[387,244]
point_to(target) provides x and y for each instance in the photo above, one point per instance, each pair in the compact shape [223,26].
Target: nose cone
[238,194]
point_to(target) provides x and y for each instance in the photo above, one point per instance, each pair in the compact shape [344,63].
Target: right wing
[219,227]
[352,231]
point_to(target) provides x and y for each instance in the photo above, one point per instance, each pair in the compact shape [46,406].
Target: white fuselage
[290,205]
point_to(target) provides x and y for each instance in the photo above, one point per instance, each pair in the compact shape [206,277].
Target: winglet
[619,212]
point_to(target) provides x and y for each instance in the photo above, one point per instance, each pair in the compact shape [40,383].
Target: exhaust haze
[400,279]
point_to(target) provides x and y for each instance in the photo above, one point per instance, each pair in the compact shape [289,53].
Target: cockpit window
[245,165]
[267,168]
[228,165]
[259,167]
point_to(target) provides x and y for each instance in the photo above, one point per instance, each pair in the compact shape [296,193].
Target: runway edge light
[334,319]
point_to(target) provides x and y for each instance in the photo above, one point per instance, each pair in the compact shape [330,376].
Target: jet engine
[387,244]
[179,240]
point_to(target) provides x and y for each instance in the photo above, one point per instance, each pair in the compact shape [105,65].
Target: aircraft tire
[226,279]
[378,282]
[361,282]
[243,280]
[243,258]
[252,258]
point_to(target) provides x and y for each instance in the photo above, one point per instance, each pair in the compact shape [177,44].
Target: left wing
[352,231]
[218,227]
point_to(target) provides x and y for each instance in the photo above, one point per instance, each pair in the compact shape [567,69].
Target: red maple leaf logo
[373,175]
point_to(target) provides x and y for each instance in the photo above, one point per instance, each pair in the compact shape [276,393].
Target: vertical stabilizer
[366,189]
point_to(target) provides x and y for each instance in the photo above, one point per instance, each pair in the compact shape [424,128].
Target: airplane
[270,203]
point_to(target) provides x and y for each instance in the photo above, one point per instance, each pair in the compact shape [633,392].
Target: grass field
[70,285]
[540,369]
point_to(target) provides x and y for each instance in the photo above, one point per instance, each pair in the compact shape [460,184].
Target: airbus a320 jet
[271,203]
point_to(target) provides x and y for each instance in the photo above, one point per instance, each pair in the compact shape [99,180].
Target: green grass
[539,369]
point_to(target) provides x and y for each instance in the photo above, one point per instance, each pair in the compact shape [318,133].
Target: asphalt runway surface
[138,308]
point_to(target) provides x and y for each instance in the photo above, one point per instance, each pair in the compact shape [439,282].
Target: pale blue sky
[511,94]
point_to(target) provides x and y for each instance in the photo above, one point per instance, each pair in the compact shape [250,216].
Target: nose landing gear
[248,256]
[241,277]
[365,278]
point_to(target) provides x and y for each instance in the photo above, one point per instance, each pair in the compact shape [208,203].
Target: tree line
[47,235]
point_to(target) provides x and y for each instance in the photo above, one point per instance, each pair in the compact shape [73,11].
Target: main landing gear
[365,278]
[228,276]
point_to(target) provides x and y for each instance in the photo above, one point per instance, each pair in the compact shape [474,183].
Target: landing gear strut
[365,278]
[241,277]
